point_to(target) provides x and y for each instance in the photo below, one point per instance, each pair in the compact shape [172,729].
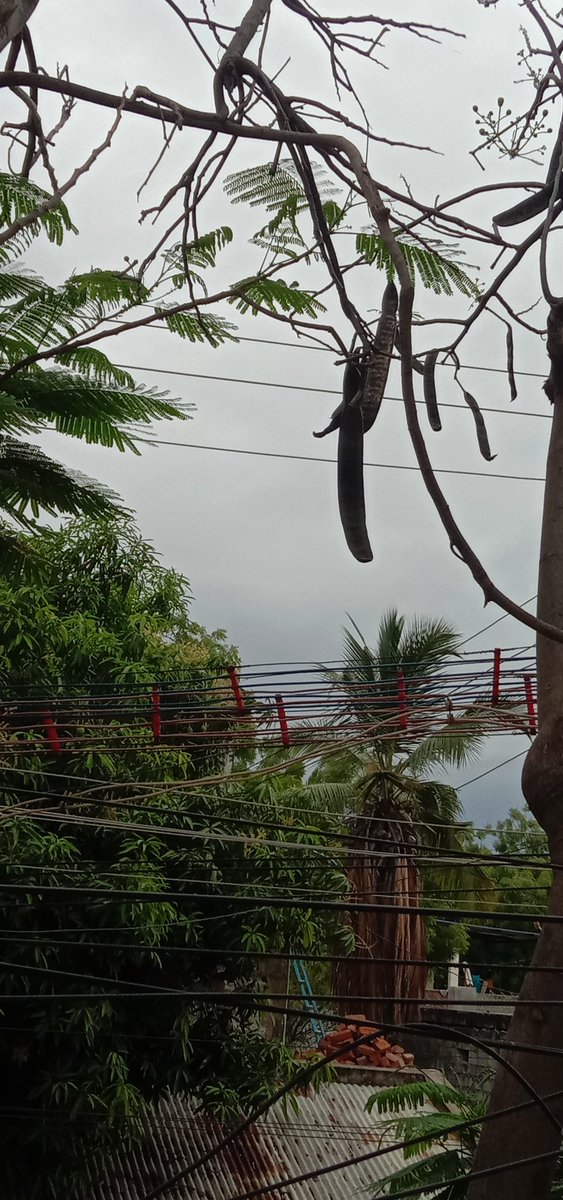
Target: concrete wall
[464,1064]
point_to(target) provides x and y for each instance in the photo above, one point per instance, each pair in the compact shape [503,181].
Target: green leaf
[204,250]
[276,296]
[435,267]
[19,197]
[202,327]
[29,479]
[271,187]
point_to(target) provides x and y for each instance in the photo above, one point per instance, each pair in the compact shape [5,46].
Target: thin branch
[504,274]
[30,218]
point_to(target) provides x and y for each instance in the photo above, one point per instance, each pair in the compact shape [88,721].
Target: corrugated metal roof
[331,1125]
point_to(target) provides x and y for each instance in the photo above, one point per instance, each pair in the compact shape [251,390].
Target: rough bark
[391,936]
[506,1138]
[14,15]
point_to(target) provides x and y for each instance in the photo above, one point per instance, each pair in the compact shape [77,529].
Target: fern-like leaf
[431,1173]
[15,284]
[273,294]
[29,479]
[267,187]
[97,413]
[414,1095]
[202,327]
[19,197]
[204,250]
[96,366]
[436,268]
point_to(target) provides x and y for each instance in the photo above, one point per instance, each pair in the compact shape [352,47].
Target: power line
[303,387]
[46,941]
[405,1193]
[63,894]
[497,622]
[491,769]
[306,1073]
[318,459]
[296,345]
[437,855]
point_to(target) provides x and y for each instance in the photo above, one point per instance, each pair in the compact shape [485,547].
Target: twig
[48,205]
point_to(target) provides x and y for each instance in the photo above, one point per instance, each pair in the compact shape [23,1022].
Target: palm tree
[394,806]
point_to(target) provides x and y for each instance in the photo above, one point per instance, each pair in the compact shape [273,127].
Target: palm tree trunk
[383,936]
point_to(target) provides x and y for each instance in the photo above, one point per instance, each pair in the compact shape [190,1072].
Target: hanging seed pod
[532,206]
[480,426]
[350,473]
[510,362]
[378,370]
[429,385]
[352,384]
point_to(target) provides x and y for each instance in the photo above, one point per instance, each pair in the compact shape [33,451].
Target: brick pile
[378,1053]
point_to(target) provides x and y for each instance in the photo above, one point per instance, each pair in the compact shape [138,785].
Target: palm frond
[427,643]
[450,748]
[428,1175]
[410,1096]
[326,797]
[389,650]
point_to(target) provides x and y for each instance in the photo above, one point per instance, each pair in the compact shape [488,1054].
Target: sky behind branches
[259,537]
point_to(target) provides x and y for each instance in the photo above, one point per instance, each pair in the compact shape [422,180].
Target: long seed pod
[352,385]
[429,385]
[378,370]
[480,426]
[532,206]
[350,471]
[510,362]
[333,423]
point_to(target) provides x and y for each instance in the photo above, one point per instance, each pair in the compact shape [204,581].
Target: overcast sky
[259,537]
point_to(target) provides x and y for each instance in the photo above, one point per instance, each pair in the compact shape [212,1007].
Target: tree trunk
[384,936]
[513,1137]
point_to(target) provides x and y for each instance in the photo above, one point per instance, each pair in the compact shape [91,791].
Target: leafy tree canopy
[98,1019]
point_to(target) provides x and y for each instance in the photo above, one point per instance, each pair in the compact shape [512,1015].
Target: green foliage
[521,889]
[19,197]
[84,395]
[200,327]
[269,187]
[433,263]
[279,190]
[389,779]
[276,296]
[204,250]
[443,1155]
[99,622]
[367,687]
